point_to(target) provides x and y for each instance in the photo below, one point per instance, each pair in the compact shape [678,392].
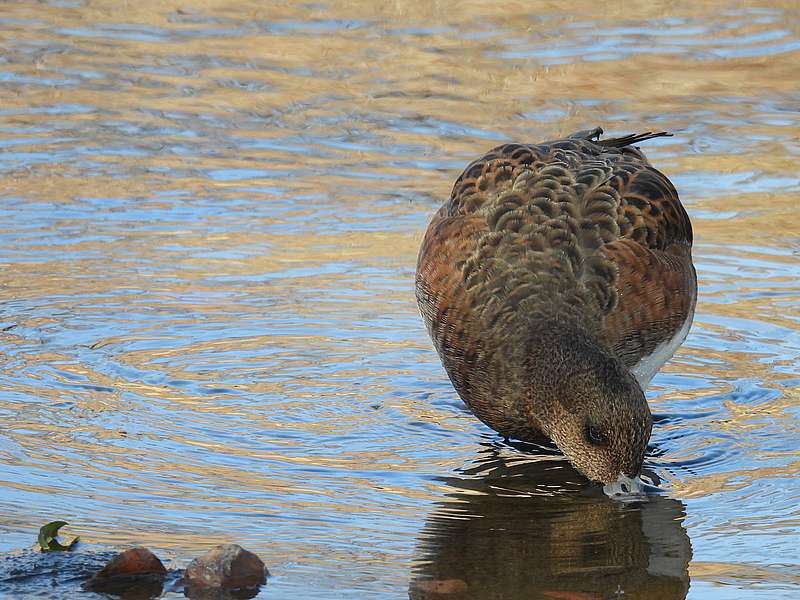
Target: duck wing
[655,280]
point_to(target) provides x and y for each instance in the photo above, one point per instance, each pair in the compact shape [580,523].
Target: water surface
[210,219]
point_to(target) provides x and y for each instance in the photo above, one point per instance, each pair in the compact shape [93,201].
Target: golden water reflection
[210,219]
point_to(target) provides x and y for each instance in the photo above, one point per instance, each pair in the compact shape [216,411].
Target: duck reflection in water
[531,529]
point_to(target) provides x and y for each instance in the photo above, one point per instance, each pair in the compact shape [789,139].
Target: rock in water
[135,570]
[228,567]
[136,561]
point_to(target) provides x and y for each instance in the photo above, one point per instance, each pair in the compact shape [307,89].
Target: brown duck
[555,282]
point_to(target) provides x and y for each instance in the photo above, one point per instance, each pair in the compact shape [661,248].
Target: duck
[555,282]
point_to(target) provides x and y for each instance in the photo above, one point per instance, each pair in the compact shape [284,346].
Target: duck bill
[625,488]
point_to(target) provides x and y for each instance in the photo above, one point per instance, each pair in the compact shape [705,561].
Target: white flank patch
[646,368]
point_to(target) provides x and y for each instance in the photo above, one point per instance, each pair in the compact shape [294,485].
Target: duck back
[579,230]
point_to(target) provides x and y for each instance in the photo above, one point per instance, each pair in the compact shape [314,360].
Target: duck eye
[595,436]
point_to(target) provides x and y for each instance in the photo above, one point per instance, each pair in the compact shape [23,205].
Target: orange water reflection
[209,232]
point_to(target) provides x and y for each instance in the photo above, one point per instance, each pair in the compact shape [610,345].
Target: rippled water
[210,219]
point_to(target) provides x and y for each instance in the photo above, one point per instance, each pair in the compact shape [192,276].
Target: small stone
[441,586]
[228,567]
[136,561]
[136,569]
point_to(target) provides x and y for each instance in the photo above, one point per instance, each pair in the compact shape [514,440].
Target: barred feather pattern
[580,229]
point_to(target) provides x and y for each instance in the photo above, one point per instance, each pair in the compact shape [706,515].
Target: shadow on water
[28,573]
[533,530]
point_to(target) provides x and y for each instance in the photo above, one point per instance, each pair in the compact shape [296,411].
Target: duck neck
[523,382]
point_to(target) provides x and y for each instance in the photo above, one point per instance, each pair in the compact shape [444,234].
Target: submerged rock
[226,567]
[135,573]
[425,588]
[56,575]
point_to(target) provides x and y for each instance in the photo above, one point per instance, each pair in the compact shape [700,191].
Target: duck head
[584,399]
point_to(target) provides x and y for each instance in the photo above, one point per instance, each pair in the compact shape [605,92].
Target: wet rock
[226,567]
[434,588]
[135,573]
[136,561]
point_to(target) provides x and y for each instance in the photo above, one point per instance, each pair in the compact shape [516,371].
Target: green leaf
[48,538]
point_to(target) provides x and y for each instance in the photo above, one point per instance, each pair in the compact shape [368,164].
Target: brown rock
[135,573]
[228,567]
[136,561]
[441,586]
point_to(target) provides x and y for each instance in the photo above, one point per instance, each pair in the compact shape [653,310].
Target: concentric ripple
[208,234]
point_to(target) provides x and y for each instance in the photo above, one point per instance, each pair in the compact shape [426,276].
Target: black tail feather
[633,138]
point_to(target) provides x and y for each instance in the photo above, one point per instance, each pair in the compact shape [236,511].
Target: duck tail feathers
[633,138]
